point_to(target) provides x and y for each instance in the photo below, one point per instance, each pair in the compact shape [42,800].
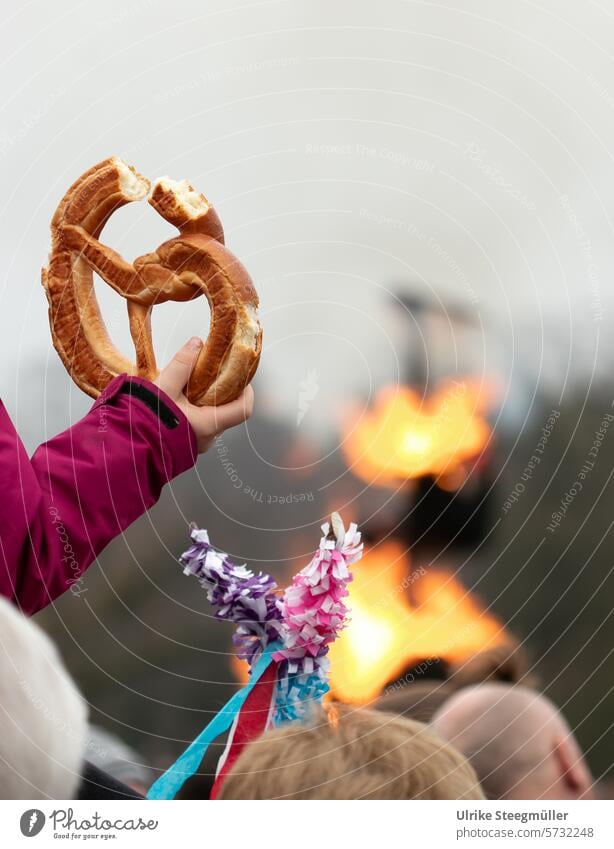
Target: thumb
[174,377]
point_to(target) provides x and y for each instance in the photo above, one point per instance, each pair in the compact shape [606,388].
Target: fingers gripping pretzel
[194,263]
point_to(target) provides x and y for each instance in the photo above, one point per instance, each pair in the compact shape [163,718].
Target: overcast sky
[460,152]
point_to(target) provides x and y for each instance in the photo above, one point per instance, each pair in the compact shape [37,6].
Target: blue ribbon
[171,781]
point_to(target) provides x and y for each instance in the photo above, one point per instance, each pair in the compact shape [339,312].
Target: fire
[388,632]
[239,669]
[400,617]
[405,436]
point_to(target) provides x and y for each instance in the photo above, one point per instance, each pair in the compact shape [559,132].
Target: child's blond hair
[350,753]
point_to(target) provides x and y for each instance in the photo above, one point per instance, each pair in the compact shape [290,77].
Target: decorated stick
[285,641]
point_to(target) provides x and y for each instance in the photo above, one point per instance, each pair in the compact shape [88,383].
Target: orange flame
[405,436]
[388,633]
[240,669]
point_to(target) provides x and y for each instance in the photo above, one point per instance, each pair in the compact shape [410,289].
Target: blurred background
[423,195]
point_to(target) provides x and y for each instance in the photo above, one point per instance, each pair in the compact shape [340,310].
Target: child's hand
[207,422]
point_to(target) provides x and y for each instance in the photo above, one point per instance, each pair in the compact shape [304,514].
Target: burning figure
[399,617]
[405,436]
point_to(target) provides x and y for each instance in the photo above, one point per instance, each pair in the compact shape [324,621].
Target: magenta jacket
[59,509]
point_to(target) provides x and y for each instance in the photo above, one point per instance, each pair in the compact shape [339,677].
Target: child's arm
[85,486]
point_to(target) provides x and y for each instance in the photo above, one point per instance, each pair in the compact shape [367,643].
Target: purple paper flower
[240,596]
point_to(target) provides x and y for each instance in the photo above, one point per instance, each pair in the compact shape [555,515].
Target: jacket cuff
[173,430]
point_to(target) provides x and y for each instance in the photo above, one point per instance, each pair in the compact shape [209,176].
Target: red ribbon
[252,721]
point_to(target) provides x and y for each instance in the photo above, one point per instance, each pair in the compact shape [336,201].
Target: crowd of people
[483,733]
[494,738]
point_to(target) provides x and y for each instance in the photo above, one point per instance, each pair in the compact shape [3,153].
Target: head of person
[420,698]
[347,753]
[507,663]
[43,718]
[417,700]
[517,741]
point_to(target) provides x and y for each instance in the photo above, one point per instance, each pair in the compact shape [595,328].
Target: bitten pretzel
[194,263]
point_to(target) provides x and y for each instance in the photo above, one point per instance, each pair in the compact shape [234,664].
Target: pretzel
[194,263]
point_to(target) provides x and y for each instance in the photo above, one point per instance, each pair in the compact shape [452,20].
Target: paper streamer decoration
[284,639]
[171,782]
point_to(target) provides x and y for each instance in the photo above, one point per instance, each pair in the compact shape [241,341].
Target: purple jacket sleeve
[59,509]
